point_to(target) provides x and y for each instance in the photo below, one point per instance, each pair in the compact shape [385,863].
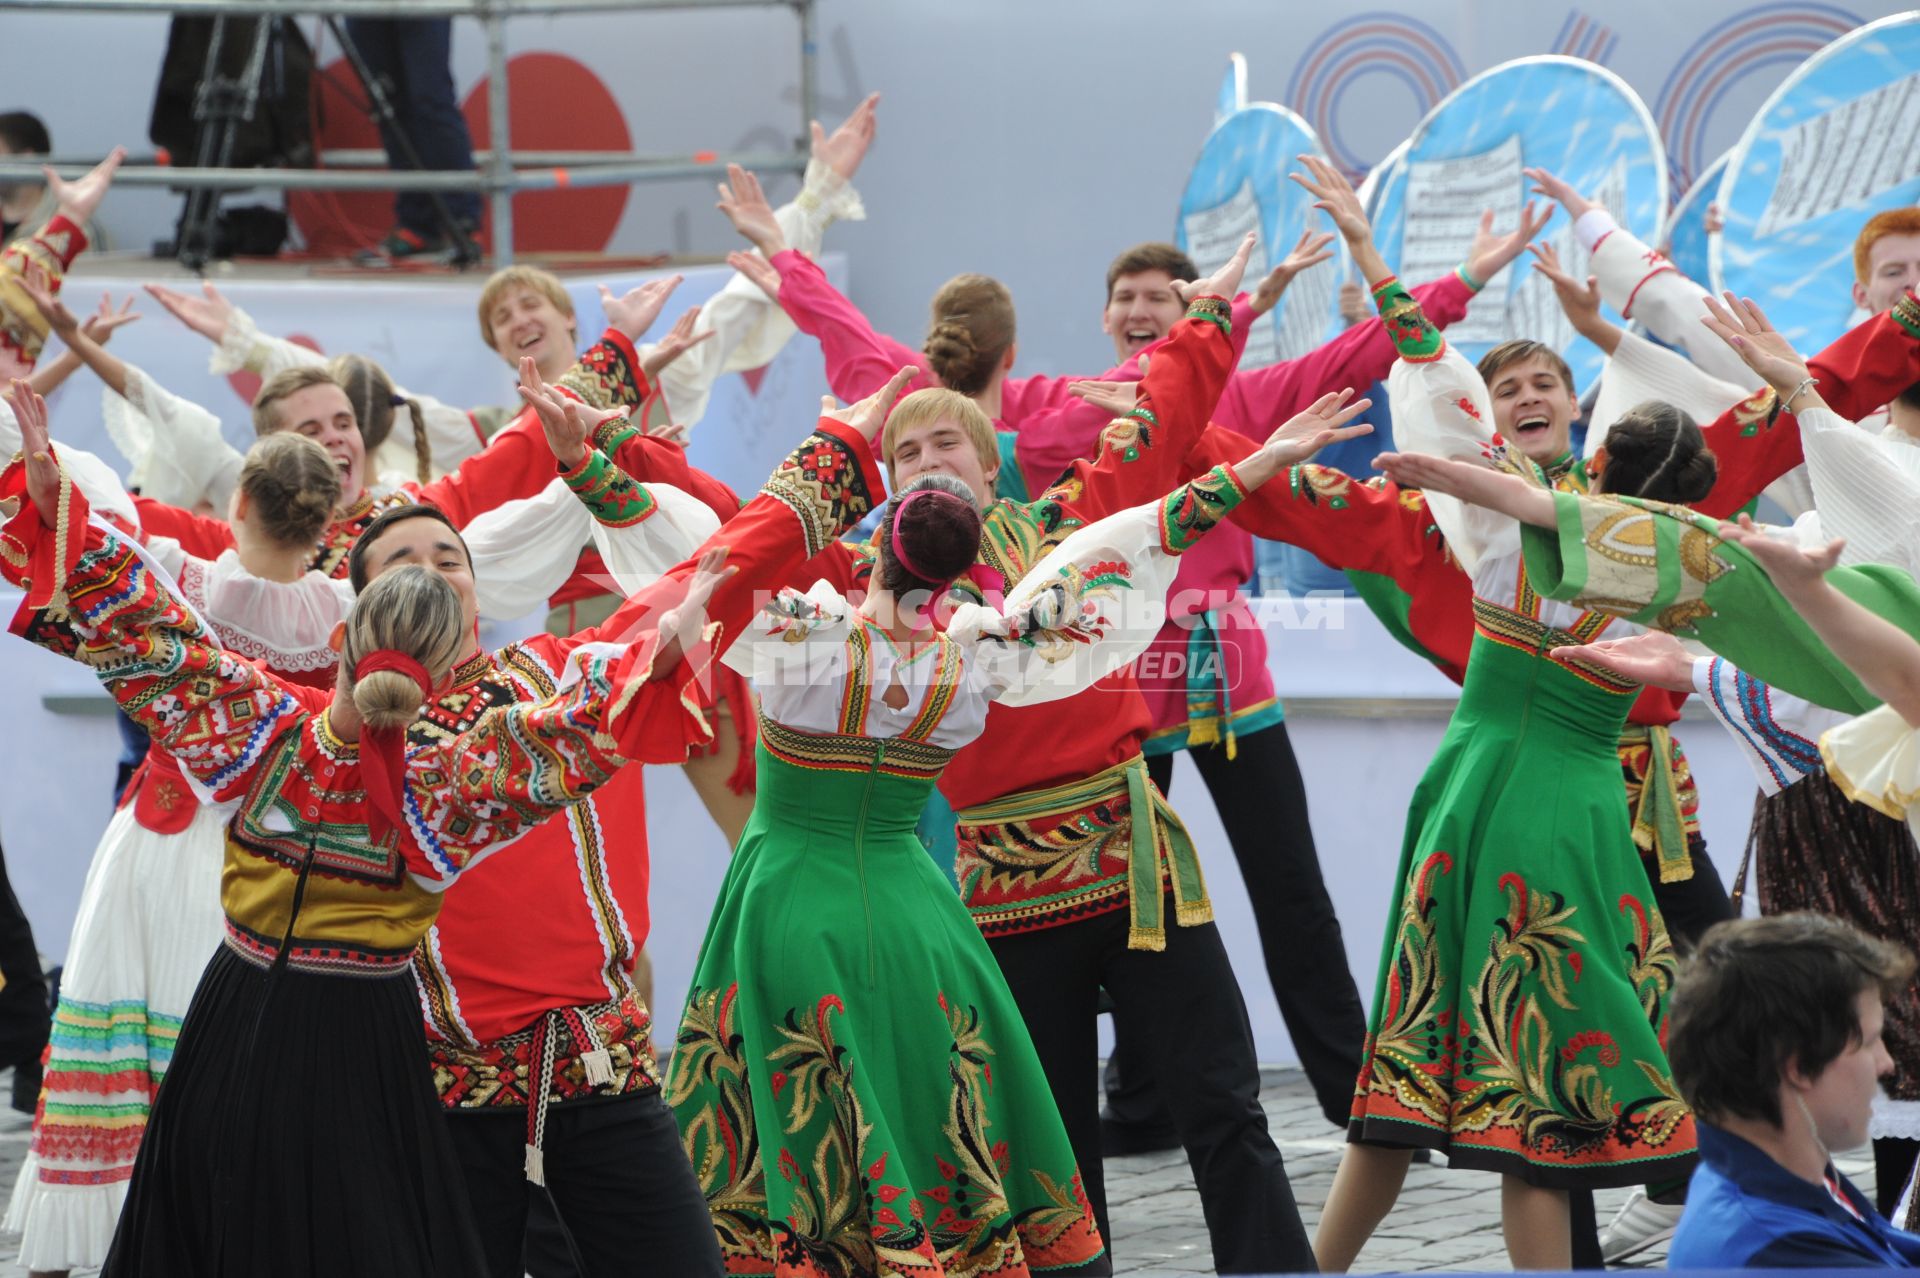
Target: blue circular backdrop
[1837,142]
[1240,180]
[1685,234]
[1575,118]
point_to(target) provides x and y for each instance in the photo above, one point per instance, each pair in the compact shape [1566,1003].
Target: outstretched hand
[1116,399]
[1310,251]
[99,326]
[568,423]
[1741,324]
[844,149]
[1319,424]
[1581,302]
[634,312]
[206,315]
[870,414]
[1655,658]
[1224,282]
[43,473]
[745,205]
[679,340]
[1335,196]
[763,274]
[1793,570]
[681,625]
[1491,252]
[77,200]
[1546,183]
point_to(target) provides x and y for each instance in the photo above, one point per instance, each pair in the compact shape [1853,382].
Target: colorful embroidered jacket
[515,464]
[43,259]
[1096,734]
[245,738]
[573,897]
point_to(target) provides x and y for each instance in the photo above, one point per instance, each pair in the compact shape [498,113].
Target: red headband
[383,752]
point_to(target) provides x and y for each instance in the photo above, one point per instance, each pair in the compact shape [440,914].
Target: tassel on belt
[1158,846]
[1658,824]
[594,1059]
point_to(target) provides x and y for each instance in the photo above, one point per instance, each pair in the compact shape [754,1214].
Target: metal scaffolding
[499,171]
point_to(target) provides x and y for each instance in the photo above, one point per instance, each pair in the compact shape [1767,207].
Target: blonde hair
[409,610]
[374,397]
[931,404]
[293,488]
[288,381]
[971,331]
[545,283]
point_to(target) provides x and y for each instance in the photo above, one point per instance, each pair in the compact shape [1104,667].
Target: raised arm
[1639,282]
[1885,658]
[92,596]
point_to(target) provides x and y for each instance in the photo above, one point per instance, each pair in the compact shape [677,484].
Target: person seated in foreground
[1775,1043]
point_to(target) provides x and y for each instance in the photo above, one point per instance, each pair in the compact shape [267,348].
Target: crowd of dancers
[912,651]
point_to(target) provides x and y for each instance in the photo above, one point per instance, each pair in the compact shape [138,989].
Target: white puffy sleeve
[175,447]
[1095,601]
[1643,285]
[1866,488]
[749,327]
[523,551]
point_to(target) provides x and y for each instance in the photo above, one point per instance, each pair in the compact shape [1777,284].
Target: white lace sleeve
[795,641]
[749,327]
[243,345]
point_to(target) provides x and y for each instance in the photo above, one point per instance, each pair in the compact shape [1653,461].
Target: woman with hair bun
[298,1133]
[150,912]
[1518,1023]
[854,1080]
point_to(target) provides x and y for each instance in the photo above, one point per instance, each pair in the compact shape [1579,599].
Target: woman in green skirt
[852,1078]
[1520,1006]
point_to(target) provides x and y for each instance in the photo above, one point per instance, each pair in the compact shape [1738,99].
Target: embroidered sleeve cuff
[1213,309]
[608,374]
[610,434]
[1415,337]
[1906,313]
[830,483]
[614,497]
[1191,512]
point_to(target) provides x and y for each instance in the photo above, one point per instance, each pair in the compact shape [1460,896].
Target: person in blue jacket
[1775,1043]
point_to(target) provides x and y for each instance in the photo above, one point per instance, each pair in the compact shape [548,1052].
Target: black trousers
[1199,1054]
[619,1179]
[1262,804]
[26,1013]
[413,56]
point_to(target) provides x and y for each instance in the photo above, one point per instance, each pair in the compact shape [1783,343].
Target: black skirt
[297,1134]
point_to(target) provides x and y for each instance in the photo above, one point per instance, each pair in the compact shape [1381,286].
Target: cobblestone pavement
[1446,1220]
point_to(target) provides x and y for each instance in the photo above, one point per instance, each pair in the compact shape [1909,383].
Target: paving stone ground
[1446,1221]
